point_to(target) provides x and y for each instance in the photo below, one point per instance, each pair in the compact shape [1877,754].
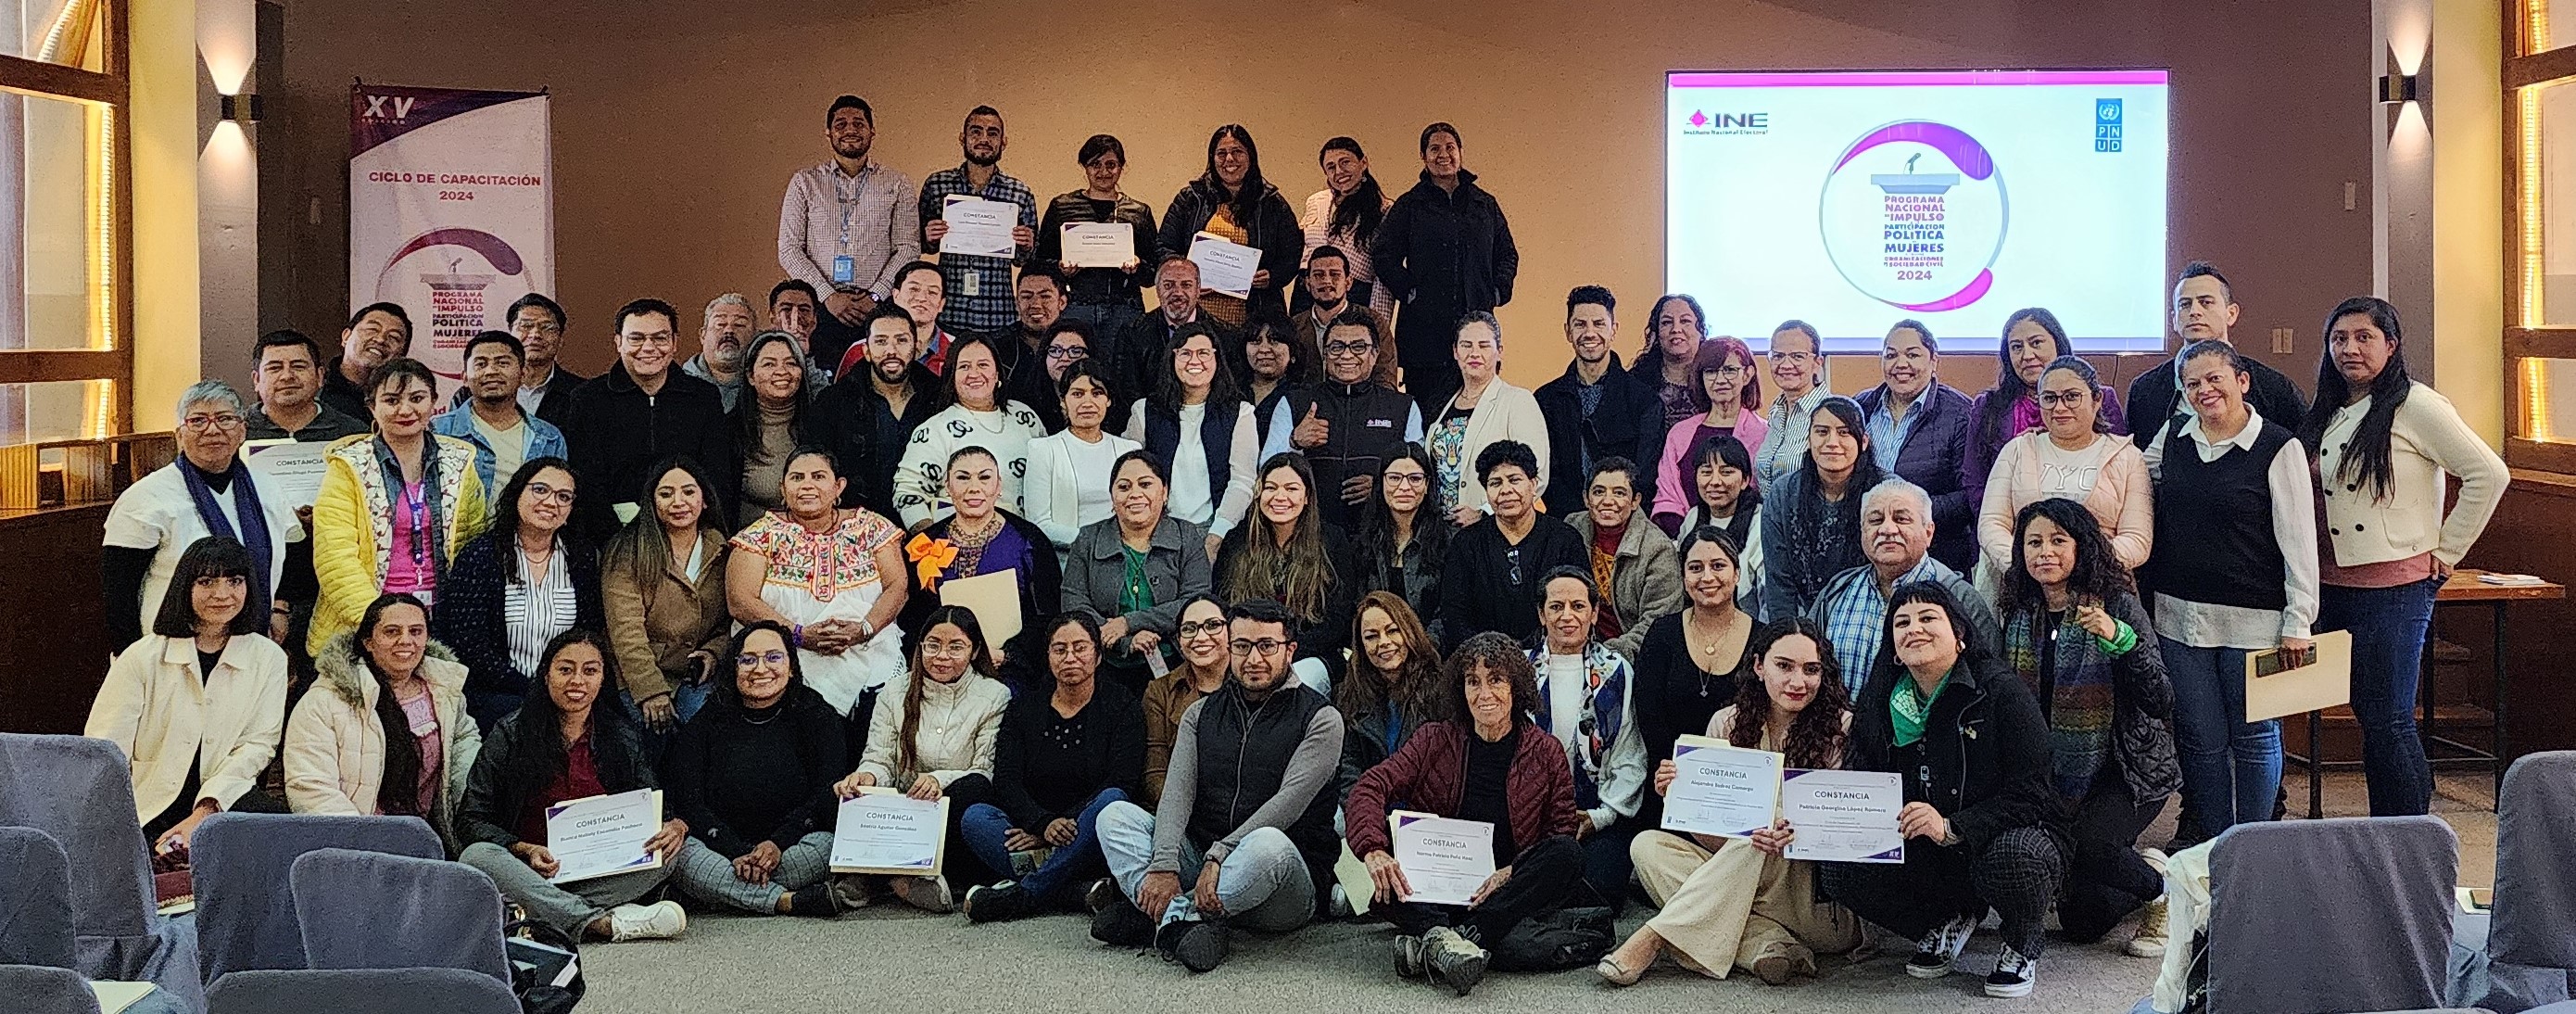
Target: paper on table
[1098,244]
[602,835]
[882,830]
[1444,859]
[1224,265]
[291,469]
[2316,686]
[114,996]
[994,599]
[1721,789]
[978,227]
[1843,816]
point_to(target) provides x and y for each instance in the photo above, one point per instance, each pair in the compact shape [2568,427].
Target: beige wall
[677,124]
[164,125]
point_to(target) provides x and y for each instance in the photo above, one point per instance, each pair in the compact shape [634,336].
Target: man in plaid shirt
[1896,535]
[979,288]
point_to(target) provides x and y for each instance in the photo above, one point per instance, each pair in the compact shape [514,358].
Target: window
[65,213]
[2540,255]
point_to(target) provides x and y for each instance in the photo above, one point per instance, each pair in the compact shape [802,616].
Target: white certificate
[1720,789]
[288,469]
[1224,266]
[1843,816]
[1099,244]
[603,835]
[1444,859]
[978,227]
[881,830]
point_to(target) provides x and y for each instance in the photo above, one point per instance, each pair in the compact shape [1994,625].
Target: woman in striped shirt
[516,586]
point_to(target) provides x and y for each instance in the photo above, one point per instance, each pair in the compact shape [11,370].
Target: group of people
[1275,568]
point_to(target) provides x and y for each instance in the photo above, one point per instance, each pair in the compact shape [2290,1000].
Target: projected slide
[1854,199]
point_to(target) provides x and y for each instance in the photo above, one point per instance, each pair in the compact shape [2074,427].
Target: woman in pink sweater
[2071,456]
[1732,392]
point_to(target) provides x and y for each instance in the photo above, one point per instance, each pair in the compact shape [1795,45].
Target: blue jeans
[2231,768]
[686,698]
[1108,321]
[2387,626]
[1264,882]
[985,825]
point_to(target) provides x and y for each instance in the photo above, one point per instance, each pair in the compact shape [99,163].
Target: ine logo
[1704,125]
[389,107]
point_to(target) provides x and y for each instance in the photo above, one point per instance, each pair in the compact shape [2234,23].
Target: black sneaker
[1197,944]
[2013,975]
[1122,926]
[814,902]
[1455,961]
[998,903]
[1938,949]
[1102,894]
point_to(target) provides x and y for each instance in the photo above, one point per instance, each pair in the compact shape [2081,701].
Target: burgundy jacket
[1429,774]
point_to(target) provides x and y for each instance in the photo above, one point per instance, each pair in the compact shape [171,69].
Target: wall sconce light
[243,109]
[2396,88]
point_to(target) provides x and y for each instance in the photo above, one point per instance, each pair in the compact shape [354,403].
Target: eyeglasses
[1348,348]
[747,660]
[1791,357]
[202,423]
[1068,353]
[1202,627]
[542,491]
[1193,353]
[1264,646]
[1406,478]
[1728,370]
[2066,398]
[1072,649]
[944,649]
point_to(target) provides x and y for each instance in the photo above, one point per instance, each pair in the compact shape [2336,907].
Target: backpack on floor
[1565,939]
[545,967]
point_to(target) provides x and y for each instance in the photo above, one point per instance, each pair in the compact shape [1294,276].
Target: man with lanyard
[846,226]
[207,492]
[920,293]
[978,285]
[1348,425]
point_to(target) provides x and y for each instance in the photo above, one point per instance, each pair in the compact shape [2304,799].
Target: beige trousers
[1731,908]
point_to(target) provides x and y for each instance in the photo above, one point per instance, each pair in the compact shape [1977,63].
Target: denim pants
[2388,627]
[687,696]
[1264,882]
[2231,768]
[985,825]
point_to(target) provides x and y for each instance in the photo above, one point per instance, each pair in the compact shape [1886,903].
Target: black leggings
[2107,879]
[2016,874]
[1544,878]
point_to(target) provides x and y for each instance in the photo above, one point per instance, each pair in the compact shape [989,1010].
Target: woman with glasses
[1199,425]
[752,775]
[938,739]
[198,705]
[2074,457]
[1133,570]
[1201,637]
[394,508]
[1070,470]
[1070,341]
[1066,752]
[1103,296]
[207,491]
[1404,537]
[1729,388]
[1798,368]
[834,577]
[515,587]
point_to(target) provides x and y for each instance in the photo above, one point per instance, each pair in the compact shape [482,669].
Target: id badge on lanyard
[845,269]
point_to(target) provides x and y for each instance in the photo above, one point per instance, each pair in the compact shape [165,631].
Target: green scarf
[1909,706]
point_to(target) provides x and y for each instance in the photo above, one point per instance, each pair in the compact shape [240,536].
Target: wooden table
[2463,589]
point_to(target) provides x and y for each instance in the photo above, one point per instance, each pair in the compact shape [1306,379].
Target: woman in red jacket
[1488,762]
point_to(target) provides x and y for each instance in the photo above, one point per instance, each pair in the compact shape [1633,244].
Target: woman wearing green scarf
[2076,634]
[1983,826]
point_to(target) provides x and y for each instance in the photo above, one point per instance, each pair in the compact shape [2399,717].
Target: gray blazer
[1176,567]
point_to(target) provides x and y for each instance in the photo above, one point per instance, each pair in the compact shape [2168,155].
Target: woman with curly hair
[1740,903]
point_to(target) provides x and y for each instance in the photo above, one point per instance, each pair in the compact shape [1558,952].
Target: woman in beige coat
[197,703]
[938,738]
[663,579]
[1485,410]
[386,675]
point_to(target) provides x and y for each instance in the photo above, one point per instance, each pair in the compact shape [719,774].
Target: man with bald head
[1896,536]
[1139,351]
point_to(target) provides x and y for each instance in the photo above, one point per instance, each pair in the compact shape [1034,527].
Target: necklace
[1000,418]
[1709,643]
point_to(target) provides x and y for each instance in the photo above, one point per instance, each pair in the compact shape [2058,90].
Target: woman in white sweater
[976,416]
[938,740]
[386,675]
[1199,426]
[197,704]
[2383,444]
[1068,482]
[1486,409]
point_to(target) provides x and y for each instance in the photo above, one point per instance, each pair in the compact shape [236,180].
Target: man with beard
[1597,409]
[287,374]
[846,226]
[721,336]
[920,293]
[545,388]
[1328,287]
[1348,425]
[1020,349]
[377,334]
[792,308]
[867,417]
[504,435]
[978,286]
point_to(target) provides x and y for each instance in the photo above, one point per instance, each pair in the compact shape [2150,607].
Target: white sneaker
[929,894]
[658,921]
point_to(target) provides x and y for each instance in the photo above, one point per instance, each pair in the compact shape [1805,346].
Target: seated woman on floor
[385,676]
[1066,752]
[935,738]
[752,773]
